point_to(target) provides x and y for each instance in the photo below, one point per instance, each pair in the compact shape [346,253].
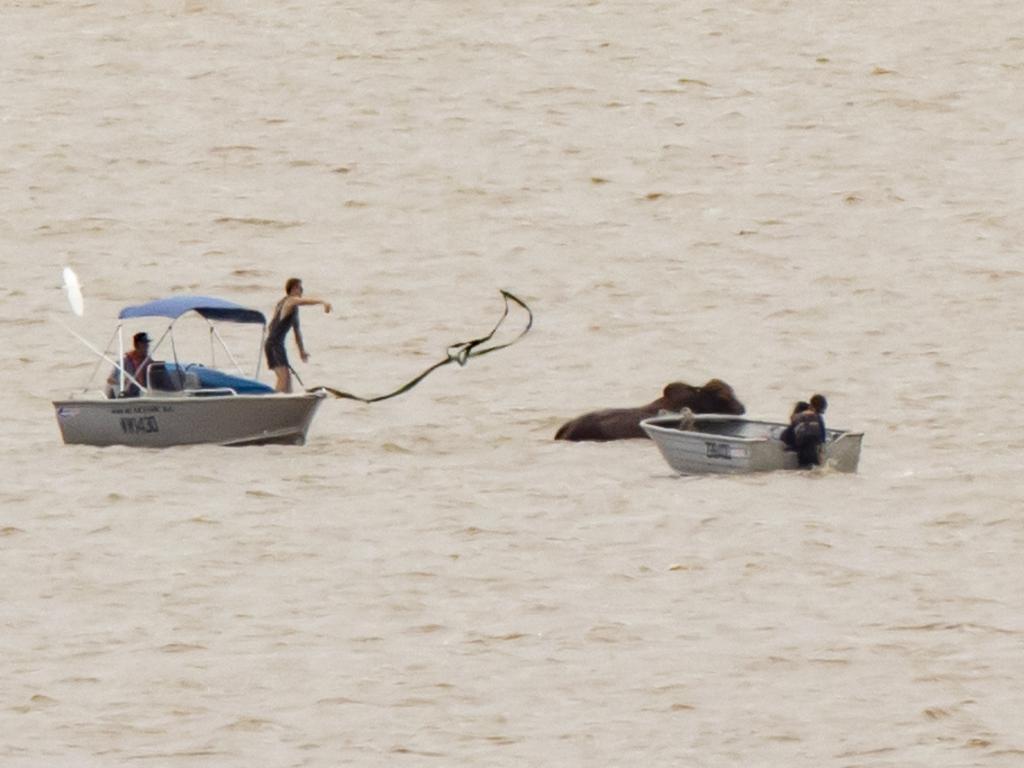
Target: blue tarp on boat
[211,378]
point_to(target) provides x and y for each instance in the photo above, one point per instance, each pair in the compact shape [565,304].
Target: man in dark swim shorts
[286,318]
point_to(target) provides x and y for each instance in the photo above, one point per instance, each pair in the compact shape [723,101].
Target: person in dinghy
[806,432]
[286,318]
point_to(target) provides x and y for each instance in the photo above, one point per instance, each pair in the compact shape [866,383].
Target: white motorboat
[718,444]
[183,404]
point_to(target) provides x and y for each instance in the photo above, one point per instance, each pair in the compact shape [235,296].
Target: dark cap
[140,338]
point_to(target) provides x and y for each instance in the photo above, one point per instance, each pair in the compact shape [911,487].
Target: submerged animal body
[623,423]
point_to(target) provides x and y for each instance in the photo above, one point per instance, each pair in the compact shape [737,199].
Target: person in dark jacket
[809,432]
[787,434]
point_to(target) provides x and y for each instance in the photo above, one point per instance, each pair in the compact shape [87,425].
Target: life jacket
[137,368]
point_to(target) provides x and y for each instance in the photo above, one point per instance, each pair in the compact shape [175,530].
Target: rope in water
[456,353]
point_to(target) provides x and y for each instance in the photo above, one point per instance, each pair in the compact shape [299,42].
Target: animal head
[719,397]
[714,397]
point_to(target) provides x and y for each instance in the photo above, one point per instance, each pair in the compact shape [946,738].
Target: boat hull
[163,421]
[736,445]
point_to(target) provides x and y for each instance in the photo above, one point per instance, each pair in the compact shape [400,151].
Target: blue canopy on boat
[210,308]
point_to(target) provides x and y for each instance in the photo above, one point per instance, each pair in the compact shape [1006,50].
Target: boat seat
[163,379]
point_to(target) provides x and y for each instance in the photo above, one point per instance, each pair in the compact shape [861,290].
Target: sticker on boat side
[139,425]
[726,451]
[143,409]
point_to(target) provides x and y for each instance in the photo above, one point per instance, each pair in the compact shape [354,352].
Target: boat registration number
[139,425]
[726,451]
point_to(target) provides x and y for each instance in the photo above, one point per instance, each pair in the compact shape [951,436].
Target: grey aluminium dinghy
[708,443]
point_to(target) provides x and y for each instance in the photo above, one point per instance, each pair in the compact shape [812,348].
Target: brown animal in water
[620,423]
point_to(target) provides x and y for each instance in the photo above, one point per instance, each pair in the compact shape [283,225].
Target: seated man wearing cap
[136,364]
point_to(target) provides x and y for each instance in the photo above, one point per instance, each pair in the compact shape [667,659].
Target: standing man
[286,317]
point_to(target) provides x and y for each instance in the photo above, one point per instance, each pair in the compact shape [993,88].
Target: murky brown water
[793,197]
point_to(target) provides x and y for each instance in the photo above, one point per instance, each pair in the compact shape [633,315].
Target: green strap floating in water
[457,353]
